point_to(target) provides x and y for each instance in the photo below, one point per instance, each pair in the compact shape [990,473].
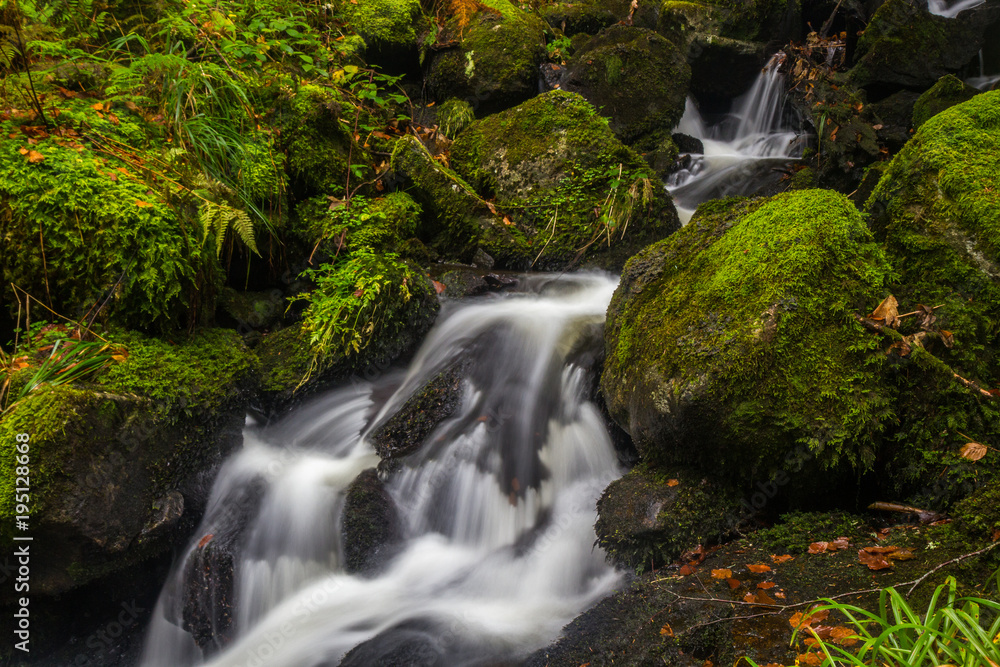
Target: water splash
[741,149]
[498,506]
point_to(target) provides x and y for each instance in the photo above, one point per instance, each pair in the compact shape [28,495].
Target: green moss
[454,115]
[84,221]
[381,22]
[795,531]
[198,375]
[285,359]
[946,93]
[732,342]
[758,20]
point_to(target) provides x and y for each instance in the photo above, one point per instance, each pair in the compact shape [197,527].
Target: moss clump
[83,222]
[795,531]
[378,225]
[758,20]
[732,344]
[453,116]
[496,62]
[551,162]
[199,374]
[946,93]
[635,77]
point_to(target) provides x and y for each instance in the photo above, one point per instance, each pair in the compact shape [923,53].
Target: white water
[498,505]
[984,81]
[950,10]
[741,149]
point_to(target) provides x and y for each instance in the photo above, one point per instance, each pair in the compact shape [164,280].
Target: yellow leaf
[142,204]
[35,157]
[666,630]
[722,574]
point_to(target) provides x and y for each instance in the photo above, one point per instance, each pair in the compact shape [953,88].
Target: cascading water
[984,81]
[949,9]
[498,505]
[741,149]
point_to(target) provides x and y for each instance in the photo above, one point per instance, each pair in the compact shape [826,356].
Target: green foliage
[351,301]
[952,630]
[454,115]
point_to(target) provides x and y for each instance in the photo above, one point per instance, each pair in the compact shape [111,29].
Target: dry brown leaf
[887,312]
[973,451]
[902,554]
[874,561]
[808,617]
[687,569]
[948,338]
[840,543]
[722,574]
[749,598]
[809,659]
[759,568]
[781,559]
[666,630]
[818,547]
[673,482]
[844,636]
[22,151]
[764,598]
[142,204]
[765,585]
[925,317]
[35,157]
[735,583]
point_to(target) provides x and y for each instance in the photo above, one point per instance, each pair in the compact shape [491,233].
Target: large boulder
[635,77]
[885,56]
[390,29]
[732,346]
[489,57]
[372,528]
[118,464]
[572,191]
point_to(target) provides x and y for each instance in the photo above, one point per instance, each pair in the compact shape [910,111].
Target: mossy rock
[549,163]
[495,63]
[775,21]
[635,77]
[574,18]
[116,464]
[885,60]
[390,28]
[946,93]
[381,224]
[648,518]
[454,216]
[731,345]
[722,67]
[937,210]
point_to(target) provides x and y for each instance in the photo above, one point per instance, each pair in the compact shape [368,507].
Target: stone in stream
[371,529]
[208,594]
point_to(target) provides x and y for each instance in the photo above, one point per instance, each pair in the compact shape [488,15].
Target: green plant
[351,303]
[454,115]
[959,631]
[561,48]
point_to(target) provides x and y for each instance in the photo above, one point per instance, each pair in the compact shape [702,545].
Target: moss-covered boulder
[574,18]
[494,60]
[365,311]
[946,93]
[732,345]
[649,518]
[115,465]
[885,56]
[937,212]
[633,76]
[571,191]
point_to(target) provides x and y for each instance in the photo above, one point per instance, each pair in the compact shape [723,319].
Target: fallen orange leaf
[722,574]
[759,568]
[781,559]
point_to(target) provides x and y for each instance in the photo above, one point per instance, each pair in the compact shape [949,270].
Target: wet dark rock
[168,511]
[407,430]
[687,144]
[372,529]
[651,517]
[723,68]
[905,46]
[208,594]
[410,645]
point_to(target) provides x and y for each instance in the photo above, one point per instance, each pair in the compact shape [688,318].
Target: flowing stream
[498,505]
[949,9]
[741,149]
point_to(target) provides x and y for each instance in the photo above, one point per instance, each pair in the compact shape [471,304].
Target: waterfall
[984,81]
[950,10]
[497,507]
[741,149]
